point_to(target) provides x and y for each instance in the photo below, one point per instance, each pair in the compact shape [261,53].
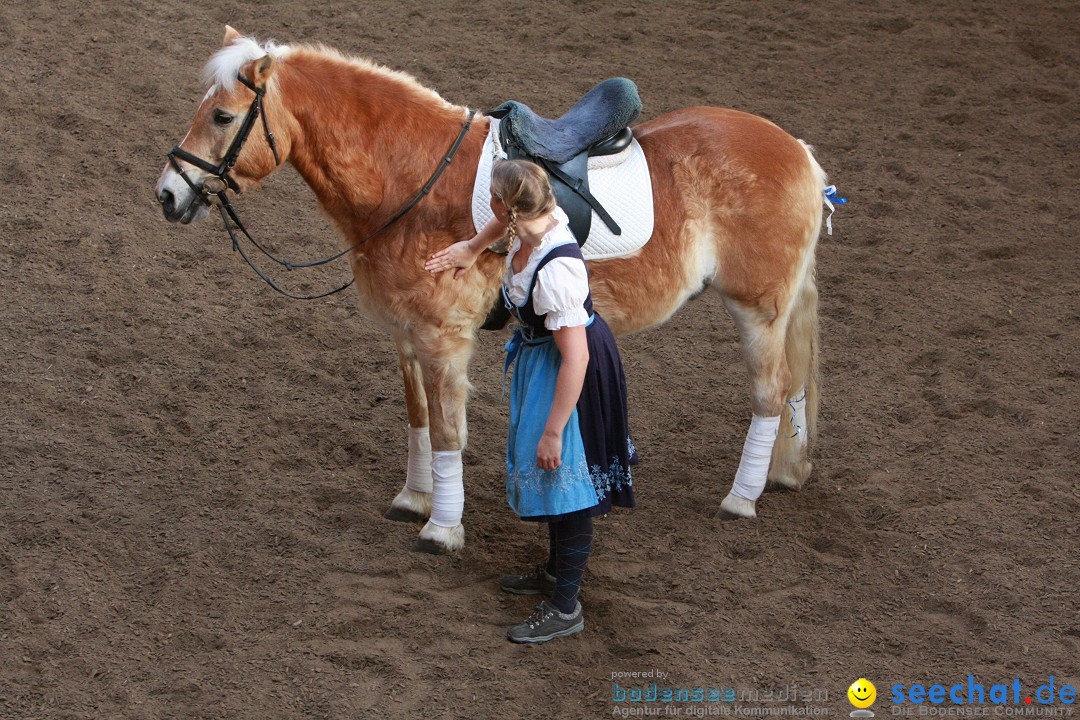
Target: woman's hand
[549,451]
[460,255]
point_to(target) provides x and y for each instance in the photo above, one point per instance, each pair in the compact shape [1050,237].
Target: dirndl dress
[597,452]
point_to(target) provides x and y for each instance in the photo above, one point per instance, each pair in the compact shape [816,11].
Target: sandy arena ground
[193,470]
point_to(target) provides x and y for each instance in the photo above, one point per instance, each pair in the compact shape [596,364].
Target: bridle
[224,182]
[221,170]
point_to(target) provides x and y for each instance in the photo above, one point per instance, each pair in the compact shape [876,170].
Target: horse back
[737,202]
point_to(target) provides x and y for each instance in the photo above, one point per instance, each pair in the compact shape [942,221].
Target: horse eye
[222,118]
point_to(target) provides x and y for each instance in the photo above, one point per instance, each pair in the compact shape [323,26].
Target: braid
[511,227]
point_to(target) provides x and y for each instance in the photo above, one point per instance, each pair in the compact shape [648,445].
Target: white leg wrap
[796,413]
[754,465]
[448,492]
[418,474]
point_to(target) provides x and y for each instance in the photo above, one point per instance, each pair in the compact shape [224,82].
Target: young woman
[569,452]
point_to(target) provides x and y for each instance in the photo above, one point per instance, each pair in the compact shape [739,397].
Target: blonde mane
[221,70]
[369,66]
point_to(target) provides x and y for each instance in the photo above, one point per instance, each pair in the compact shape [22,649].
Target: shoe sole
[546,593]
[544,638]
[516,591]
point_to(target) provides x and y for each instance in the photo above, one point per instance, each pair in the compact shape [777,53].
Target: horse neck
[365,140]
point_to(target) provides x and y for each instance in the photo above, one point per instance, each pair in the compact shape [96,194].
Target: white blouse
[561,286]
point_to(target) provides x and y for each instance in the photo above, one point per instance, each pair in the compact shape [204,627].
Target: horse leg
[790,466]
[413,503]
[444,359]
[763,333]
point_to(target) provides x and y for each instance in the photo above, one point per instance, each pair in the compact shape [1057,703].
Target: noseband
[221,170]
[221,173]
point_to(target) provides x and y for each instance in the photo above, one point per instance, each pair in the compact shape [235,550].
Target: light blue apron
[530,490]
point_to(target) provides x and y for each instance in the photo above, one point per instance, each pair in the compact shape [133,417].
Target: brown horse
[737,204]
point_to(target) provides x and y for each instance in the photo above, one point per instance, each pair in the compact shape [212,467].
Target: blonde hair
[525,190]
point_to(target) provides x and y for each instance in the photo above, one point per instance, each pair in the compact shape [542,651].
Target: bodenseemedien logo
[862,695]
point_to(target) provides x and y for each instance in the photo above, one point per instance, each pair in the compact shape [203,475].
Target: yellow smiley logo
[862,693]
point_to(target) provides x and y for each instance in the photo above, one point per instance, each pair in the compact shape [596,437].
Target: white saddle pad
[620,182]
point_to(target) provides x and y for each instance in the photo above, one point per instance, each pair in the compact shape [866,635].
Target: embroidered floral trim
[604,481]
[612,480]
[563,479]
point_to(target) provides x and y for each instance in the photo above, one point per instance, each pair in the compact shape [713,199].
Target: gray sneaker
[546,623]
[537,582]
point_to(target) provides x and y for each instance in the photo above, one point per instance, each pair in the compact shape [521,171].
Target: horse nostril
[168,202]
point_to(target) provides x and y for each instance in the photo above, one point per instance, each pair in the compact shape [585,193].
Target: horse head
[225,147]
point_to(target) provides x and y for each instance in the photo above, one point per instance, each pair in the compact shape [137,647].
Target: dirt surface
[194,469]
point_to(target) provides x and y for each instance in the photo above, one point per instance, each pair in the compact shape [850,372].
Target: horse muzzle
[179,203]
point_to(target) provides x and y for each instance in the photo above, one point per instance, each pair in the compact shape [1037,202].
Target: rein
[225,181]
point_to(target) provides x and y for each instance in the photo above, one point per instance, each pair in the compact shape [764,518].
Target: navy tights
[569,545]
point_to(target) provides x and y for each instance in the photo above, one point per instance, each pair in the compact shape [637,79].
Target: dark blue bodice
[532,323]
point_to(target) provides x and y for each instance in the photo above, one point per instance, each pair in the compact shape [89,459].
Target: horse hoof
[430,547]
[402,515]
[439,540]
[409,506]
[781,485]
[792,478]
[736,508]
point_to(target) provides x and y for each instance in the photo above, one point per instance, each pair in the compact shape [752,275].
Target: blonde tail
[790,465]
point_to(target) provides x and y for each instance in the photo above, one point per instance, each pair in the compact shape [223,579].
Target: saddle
[596,125]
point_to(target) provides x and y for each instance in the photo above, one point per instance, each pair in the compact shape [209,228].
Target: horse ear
[264,67]
[230,35]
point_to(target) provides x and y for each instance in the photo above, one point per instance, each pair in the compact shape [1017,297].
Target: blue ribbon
[830,192]
[512,347]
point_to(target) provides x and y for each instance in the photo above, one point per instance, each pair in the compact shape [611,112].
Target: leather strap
[221,170]
[228,212]
[578,187]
